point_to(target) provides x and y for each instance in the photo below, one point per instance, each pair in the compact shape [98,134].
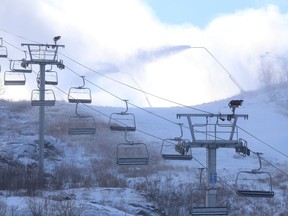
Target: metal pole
[41,125]
[211,194]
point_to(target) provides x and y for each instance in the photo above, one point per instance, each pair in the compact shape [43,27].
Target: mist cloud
[125,41]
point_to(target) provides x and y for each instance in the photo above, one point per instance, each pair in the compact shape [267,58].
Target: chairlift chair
[132,153]
[176,148]
[14,78]
[51,78]
[122,121]
[80,94]
[18,66]
[3,49]
[81,124]
[49,98]
[250,183]
[202,210]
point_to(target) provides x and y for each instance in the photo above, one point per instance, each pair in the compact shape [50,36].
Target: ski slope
[264,131]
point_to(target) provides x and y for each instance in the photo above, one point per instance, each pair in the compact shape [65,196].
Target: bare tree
[273,70]
[3,208]
[284,70]
[266,75]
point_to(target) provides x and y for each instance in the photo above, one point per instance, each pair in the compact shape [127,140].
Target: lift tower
[42,55]
[216,131]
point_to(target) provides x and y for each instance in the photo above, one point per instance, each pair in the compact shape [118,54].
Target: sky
[151,53]
[201,13]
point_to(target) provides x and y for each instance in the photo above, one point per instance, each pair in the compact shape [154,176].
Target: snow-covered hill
[82,169]
[83,201]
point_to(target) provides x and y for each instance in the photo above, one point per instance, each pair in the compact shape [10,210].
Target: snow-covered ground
[84,201]
[139,190]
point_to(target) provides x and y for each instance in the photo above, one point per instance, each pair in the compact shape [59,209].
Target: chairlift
[80,94]
[18,66]
[254,183]
[51,77]
[122,121]
[49,98]
[14,78]
[81,124]
[132,153]
[176,148]
[3,49]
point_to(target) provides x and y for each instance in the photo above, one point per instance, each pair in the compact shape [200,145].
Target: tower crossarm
[216,129]
[210,115]
[215,144]
[43,54]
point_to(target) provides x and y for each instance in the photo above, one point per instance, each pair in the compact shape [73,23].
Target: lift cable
[132,87]
[146,133]
[13,46]
[283,172]
[122,100]
[70,69]
[108,92]
[19,36]
[285,155]
[65,93]
[145,110]
[158,97]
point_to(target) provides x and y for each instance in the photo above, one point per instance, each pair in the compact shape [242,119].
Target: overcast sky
[149,45]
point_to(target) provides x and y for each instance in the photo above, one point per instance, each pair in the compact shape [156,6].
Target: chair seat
[255,193]
[132,161]
[176,157]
